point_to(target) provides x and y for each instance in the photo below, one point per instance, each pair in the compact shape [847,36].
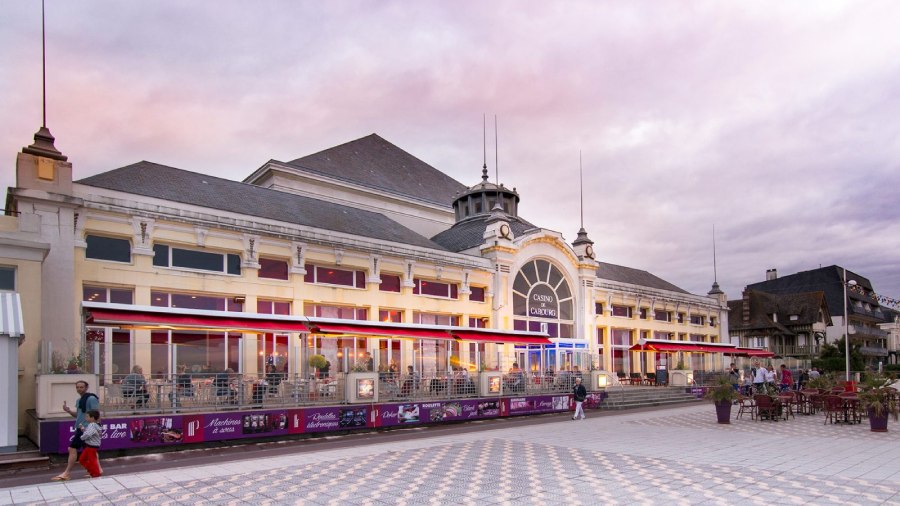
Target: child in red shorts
[92,435]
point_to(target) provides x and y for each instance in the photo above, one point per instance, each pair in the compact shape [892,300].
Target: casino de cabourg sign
[542,302]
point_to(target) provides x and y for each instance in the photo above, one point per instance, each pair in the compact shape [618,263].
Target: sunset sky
[776,122]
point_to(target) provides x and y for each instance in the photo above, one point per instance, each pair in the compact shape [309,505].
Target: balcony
[873,351]
[795,351]
[858,332]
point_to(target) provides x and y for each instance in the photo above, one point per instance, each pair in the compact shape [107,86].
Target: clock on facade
[589,251]
[504,230]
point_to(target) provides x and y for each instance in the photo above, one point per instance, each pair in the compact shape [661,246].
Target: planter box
[53,389]
[362,387]
[681,378]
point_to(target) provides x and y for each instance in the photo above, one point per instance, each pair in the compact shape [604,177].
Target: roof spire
[496,155]
[582,233]
[43,139]
[715,286]
[484,174]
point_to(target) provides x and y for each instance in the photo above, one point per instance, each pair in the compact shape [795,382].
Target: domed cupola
[480,199]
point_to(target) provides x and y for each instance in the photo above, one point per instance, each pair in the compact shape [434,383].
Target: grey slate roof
[376,163]
[621,274]
[168,183]
[829,280]
[469,233]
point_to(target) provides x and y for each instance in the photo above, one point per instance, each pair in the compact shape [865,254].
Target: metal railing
[231,391]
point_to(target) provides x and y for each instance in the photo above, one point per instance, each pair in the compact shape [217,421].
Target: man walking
[580,394]
[86,402]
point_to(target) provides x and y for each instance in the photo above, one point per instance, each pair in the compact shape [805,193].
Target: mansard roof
[469,233]
[830,281]
[375,163]
[168,183]
[805,306]
[622,274]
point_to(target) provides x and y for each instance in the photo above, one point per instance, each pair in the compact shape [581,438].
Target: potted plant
[317,362]
[723,395]
[879,400]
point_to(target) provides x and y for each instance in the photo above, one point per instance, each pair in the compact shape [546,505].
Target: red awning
[499,337]
[751,352]
[367,329]
[672,347]
[224,321]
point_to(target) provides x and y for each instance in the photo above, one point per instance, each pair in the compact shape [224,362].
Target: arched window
[541,291]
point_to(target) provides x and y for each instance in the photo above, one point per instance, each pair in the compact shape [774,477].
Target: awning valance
[126,315]
[660,346]
[499,337]
[352,327]
[751,352]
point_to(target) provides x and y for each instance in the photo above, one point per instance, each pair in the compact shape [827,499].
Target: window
[623,311]
[478,322]
[318,274]
[195,301]
[712,321]
[662,316]
[435,289]
[107,248]
[598,308]
[339,312]
[621,337]
[681,318]
[697,319]
[600,338]
[8,278]
[541,291]
[101,294]
[273,269]
[435,319]
[165,256]
[477,294]
[389,283]
[642,313]
[264,306]
[390,315]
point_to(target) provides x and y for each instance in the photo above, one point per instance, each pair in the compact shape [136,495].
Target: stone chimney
[771,274]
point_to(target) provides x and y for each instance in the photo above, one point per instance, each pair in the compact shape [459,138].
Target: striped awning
[11,324]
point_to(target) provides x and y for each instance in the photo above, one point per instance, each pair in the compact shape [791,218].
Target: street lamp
[847,324]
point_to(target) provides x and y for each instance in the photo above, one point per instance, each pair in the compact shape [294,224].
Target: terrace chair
[621,377]
[635,378]
[746,405]
[834,408]
[651,378]
[765,407]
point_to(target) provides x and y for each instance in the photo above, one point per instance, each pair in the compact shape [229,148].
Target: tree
[832,357]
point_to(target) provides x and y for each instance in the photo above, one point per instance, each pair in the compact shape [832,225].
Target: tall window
[389,283]
[662,316]
[8,278]
[622,311]
[333,276]
[435,289]
[170,256]
[697,319]
[477,294]
[273,269]
[108,248]
[271,348]
[340,312]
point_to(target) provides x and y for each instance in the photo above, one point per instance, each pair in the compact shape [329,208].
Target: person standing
[580,394]
[787,379]
[735,377]
[86,402]
[92,437]
[759,379]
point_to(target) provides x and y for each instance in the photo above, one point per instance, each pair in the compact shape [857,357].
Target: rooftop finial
[496,154]
[581,187]
[43,139]
[484,174]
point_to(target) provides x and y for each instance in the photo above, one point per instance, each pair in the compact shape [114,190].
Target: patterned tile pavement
[677,456]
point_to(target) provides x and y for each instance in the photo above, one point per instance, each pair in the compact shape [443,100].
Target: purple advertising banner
[169,430]
[336,418]
[538,404]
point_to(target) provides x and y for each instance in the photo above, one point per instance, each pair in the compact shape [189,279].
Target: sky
[775,124]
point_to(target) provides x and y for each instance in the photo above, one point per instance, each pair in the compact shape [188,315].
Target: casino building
[141,265]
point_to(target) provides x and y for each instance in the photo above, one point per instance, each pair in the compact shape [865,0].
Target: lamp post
[847,325]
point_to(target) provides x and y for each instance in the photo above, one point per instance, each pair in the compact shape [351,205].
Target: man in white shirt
[759,380]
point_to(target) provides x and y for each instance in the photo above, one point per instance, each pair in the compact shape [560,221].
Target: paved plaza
[671,456]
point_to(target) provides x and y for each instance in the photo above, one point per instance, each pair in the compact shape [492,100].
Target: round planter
[878,423]
[723,411]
